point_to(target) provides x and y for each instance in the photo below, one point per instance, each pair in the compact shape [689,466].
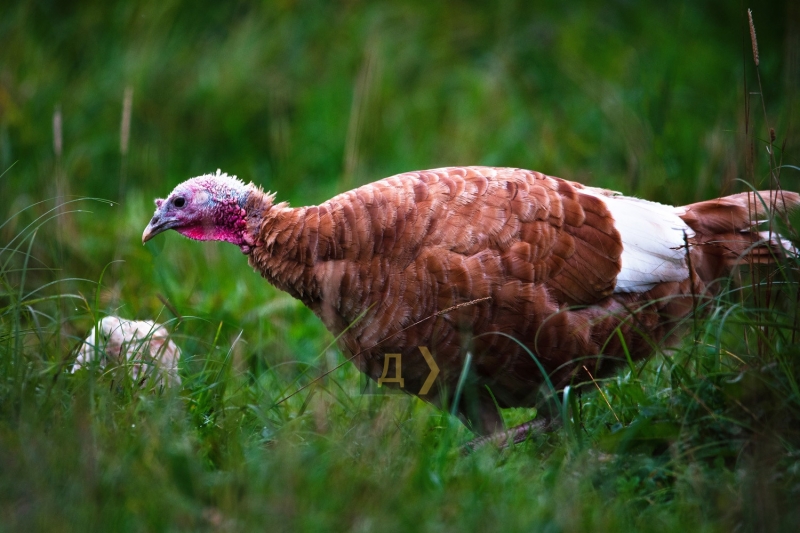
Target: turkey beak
[151,230]
[149,233]
[158,224]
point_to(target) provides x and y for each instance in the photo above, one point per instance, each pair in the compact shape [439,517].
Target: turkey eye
[179,202]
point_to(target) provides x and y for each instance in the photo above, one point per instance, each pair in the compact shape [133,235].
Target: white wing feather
[653,249]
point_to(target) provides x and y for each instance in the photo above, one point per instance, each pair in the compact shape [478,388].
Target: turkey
[546,266]
[142,344]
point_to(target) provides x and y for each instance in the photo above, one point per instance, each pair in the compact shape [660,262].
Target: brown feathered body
[544,256]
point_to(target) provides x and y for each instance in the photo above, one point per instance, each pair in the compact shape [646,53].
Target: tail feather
[778,244]
[727,231]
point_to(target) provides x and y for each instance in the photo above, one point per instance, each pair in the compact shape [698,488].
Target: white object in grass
[146,345]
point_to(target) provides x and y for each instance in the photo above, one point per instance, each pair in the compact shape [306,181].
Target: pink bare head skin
[206,208]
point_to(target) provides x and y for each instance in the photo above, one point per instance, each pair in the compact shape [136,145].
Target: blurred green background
[310,98]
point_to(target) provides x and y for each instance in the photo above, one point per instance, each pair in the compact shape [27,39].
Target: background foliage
[310,98]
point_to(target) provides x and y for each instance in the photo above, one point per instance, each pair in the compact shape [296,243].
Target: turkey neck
[287,244]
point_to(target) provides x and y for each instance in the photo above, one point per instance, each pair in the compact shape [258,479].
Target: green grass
[308,98]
